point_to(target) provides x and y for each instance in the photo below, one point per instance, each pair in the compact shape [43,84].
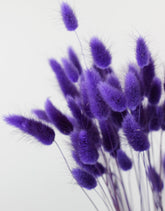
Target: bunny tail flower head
[110,124]
[38,130]
[69,17]
[84,179]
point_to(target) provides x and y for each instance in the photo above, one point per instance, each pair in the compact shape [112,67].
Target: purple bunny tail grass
[114,97]
[65,84]
[74,59]
[97,105]
[155,179]
[84,179]
[134,134]
[58,119]
[132,91]
[155,91]
[70,70]
[147,75]
[110,136]
[124,161]
[100,54]
[38,130]
[68,17]
[41,114]
[113,81]
[84,98]
[95,170]
[87,152]
[83,121]
[142,52]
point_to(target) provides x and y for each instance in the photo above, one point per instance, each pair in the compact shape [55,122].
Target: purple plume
[100,54]
[37,129]
[114,97]
[96,170]
[155,179]
[87,152]
[136,137]
[41,114]
[142,52]
[83,121]
[124,161]
[68,17]
[97,105]
[84,179]
[70,70]
[65,84]
[61,122]
[74,59]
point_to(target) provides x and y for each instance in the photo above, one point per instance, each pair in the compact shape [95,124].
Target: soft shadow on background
[34,177]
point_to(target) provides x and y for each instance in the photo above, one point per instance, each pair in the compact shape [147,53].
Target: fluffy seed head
[124,161]
[155,91]
[97,105]
[142,52]
[135,136]
[84,179]
[58,119]
[41,114]
[83,121]
[100,54]
[68,17]
[65,84]
[95,170]
[74,59]
[114,97]
[132,91]
[87,152]
[38,130]
[70,70]
[155,179]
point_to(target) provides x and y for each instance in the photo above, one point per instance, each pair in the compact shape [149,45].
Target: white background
[34,177]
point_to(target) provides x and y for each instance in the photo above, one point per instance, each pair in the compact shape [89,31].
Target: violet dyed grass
[110,129]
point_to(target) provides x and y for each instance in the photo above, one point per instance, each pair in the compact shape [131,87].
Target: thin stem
[66,162]
[102,200]
[125,193]
[103,192]
[81,49]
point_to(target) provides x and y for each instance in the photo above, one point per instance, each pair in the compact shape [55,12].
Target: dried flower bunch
[111,125]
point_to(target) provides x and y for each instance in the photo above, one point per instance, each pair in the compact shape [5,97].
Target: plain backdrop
[34,177]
